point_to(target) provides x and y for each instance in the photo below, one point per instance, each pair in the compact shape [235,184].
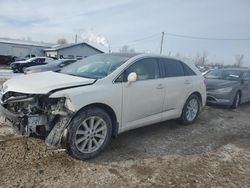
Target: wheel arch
[109,110]
[198,94]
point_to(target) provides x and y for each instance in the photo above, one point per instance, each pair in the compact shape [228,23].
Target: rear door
[178,83]
[142,99]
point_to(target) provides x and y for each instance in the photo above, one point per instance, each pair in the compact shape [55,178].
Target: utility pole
[162,38]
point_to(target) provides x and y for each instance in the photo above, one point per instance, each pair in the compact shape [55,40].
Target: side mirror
[132,77]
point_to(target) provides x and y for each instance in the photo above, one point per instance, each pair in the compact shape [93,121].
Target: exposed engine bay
[37,115]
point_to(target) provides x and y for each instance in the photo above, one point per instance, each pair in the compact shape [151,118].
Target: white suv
[89,101]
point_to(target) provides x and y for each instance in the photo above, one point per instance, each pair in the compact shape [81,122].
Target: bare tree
[126,49]
[239,60]
[62,41]
[201,60]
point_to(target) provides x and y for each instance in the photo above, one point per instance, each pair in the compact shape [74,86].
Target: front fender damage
[40,116]
[53,140]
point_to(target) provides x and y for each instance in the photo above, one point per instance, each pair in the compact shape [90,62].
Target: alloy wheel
[91,134]
[192,109]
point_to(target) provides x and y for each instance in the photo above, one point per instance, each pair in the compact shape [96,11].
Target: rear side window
[173,68]
[145,69]
[187,70]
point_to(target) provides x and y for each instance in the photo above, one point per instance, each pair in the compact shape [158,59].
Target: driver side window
[145,69]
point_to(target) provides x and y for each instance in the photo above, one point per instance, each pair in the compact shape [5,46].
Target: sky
[136,23]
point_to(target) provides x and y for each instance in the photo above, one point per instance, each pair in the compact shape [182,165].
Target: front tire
[190,110]
[89,133]
[236,102]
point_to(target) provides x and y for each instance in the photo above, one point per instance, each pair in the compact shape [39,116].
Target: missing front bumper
[25,125]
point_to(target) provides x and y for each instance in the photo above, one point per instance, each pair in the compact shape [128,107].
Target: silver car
[230,87]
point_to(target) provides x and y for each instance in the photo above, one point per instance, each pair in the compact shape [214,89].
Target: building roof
[24,42]
[63,46]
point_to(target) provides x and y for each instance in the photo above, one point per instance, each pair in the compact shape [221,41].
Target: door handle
[160,86]
[187,82]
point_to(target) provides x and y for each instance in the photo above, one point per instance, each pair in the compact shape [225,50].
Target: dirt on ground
[213,152]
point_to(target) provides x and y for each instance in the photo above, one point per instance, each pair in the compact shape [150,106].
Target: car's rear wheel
[190,110]
[236,102]
[89,133]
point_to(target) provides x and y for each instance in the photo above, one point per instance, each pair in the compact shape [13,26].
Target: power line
[139,40]
[177,35]
[146,38]
[206,38]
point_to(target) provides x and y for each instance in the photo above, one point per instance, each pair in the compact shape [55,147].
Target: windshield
[96,66]
[224,74]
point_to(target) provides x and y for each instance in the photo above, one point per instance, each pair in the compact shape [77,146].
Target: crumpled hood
[218,83]
[43,83]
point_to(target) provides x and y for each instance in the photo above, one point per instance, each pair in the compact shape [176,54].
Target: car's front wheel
[89,133]
[190,110]
[236,102]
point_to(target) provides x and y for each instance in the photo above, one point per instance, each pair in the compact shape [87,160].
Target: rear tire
[89,133]
[236,102]
[190,110]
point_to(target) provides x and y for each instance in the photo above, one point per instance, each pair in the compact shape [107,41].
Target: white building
[21,48]
[78,50]
[10,48]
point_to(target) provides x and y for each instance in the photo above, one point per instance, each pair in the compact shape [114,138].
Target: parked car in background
[19,66]
[229,86]
[204,73]
[100,96]
[52,66]
[4,60]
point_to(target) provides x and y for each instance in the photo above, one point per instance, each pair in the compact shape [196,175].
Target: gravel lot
[214,152]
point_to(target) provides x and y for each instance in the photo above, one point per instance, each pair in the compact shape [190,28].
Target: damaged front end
[37,115]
